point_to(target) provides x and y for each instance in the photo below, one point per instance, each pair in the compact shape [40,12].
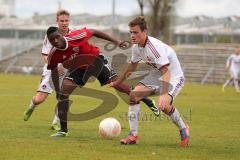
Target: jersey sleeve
[135,55]
[46,48]
[80,34]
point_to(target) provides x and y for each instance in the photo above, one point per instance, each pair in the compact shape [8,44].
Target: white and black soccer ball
[109,128]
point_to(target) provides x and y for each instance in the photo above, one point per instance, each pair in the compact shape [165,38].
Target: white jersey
[158,54]
[47,46]
[234,61]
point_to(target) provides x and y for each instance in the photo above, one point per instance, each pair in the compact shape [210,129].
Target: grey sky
[215,8]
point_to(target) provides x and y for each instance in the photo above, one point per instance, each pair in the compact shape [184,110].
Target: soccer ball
[109,128]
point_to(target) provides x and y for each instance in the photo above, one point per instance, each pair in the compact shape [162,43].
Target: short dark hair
[140,21]
[50,30]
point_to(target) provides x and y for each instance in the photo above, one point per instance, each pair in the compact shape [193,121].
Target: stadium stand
[22,63]
[202,59]
[202,64]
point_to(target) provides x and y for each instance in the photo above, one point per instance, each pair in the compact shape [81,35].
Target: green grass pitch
[213,117]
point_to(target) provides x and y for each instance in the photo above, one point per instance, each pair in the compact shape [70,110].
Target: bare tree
[161,18]
[141,6]
[155,9]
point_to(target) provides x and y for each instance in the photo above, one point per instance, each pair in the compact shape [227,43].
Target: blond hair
[62,12]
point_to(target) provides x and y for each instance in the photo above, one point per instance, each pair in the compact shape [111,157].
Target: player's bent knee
[38,99]
[134,99]
[133,96]
[167,109]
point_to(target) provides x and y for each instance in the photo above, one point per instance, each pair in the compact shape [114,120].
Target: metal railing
[20,45]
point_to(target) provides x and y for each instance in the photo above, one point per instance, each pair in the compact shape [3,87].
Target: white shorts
[46,84]
[235,73]
[153,81]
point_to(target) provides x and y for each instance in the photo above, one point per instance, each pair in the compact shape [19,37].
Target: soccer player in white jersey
[166,78]
[233,66]
[46,87]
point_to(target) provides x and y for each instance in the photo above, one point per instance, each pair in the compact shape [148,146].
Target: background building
[7,8]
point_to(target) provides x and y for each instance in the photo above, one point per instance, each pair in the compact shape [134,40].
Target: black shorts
[100,69]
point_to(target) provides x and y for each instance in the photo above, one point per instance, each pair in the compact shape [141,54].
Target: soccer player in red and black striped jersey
[45,87]
[83,60]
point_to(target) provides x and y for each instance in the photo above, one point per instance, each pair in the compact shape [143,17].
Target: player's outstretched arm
[126,73]
[55,79]
[102,35]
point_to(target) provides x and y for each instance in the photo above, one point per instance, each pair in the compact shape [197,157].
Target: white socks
[134,113]
[32,105]
[235,82]
[56,118]
[226,83]
[133,117]
[176,118]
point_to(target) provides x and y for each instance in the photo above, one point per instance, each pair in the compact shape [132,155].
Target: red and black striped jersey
[77,46]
